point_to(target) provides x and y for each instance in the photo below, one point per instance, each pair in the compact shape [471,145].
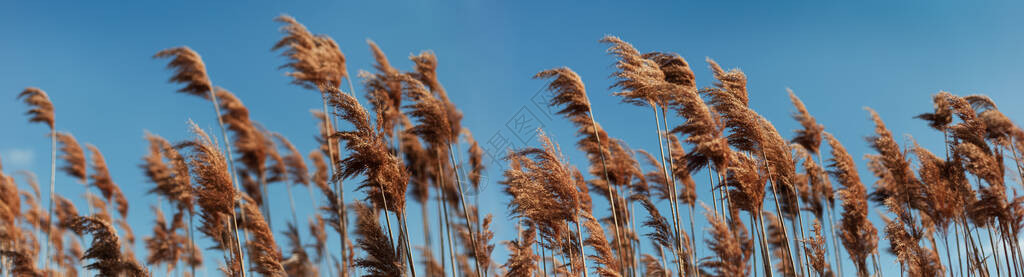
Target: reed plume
[542,187]
[858,235]
[22,263]
[810,136]
[654,268]
[945,198]
[73,157]
[689,191]
[320,172]
[263,252]
[943,114]
[316,60]
[249,142]
[215,196]
[522,261]
[662,234]
[316,230]
[165,246]
[105,248]
[40,107]
[426,72]
[777,242]
[730,244]
[483,250]
[919,261]
[65,212]
[370,156]
[381,258]
[641,79]
[430,264]
[570,93]
[102,180]
[189,70]
[99,207]
[298,264]
[476,160]
[384,90]
[815,247]
[167,169]
[606,264]
[898,188]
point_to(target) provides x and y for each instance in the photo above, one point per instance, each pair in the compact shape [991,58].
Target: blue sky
[94,60]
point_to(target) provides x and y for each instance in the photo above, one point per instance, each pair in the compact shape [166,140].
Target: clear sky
[94,60]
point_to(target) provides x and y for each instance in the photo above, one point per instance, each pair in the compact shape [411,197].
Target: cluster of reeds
[409,139]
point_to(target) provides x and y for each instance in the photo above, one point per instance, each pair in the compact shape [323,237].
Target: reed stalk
[673,201]
[53,178]
[671,170]
[234,178]
[583,254]
[465,210]
[778,209]
[607,180]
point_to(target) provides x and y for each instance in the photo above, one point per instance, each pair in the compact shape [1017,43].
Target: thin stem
[778,208]
[53,178]
[465,211]
[266,199]
[604,167]
[693,243]
[191,243]
[995,254]
[583,254]
[767,261]
[714,193]
[543,260]
[408,248]
[343,234]
[671,169]
[1006,256]
[447,223]
[673,201]
[440,226]
[956,236]
[753,231]
[831,221]
[801,235]
[387,218]
[291,203]
[234,181]
[949,258]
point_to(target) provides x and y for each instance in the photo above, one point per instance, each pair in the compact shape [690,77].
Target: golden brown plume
[641,80]
[216,195]
[730,244]
[105,248]
[171,177]
[40,107]
[188,70]
[381,259]
[264,256]
[369,155]
[316,60]
[73,157]
[858,235]
[810,136]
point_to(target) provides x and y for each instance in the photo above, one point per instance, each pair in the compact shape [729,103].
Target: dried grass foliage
[412,123]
